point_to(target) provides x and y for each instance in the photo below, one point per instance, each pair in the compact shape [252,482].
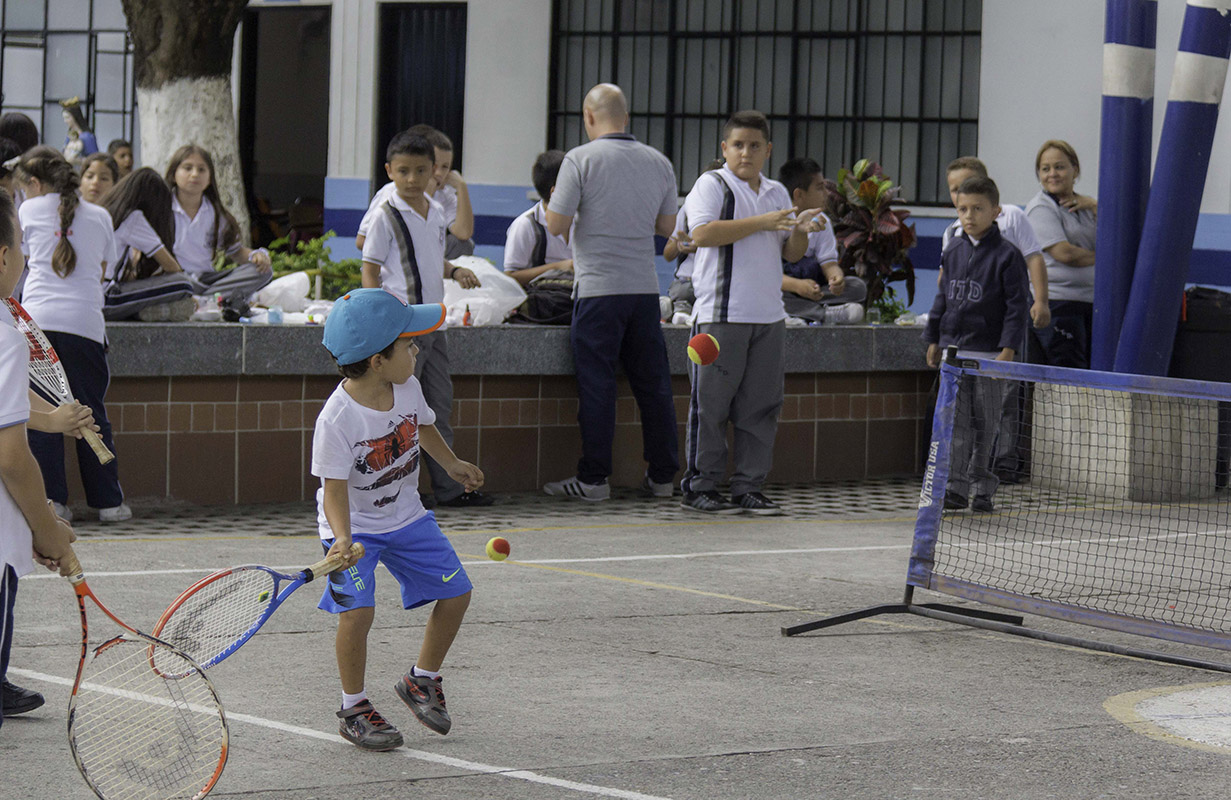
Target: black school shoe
[710,502]
[982,504]
[16,700]
[467,500]
[955,502]
[757,503]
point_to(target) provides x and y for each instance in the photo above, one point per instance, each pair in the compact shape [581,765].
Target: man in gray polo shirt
[622,192]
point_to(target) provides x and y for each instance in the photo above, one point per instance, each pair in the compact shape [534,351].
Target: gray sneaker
[362,725]
[710,502]
[427,699]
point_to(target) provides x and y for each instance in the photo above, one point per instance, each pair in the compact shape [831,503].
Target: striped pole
[1153,311]
[1124,164]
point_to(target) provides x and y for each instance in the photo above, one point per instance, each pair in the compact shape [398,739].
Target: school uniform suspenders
[726,257]
[406,247]
[538,256]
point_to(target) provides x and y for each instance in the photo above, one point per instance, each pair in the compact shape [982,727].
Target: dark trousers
[1066,341]
[432,370]
[85,363]
[8,595]
[622,329]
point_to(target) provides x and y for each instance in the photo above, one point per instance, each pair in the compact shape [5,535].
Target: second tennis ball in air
[702,349]
[498,548]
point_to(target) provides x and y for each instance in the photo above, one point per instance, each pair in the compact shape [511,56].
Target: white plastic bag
[290,292]
[491,303]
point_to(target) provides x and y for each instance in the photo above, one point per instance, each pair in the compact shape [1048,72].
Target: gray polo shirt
[1052,225]
[615,188]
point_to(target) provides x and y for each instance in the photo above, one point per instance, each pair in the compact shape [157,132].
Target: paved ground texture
[631,649]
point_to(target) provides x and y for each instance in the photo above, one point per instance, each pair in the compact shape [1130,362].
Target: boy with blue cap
[366,451]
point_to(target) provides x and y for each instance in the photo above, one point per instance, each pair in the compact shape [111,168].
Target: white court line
[419,755]
[662,556]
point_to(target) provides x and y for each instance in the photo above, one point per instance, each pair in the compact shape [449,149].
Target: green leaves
[337,277]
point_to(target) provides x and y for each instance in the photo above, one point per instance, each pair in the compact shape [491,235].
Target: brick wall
[224,440]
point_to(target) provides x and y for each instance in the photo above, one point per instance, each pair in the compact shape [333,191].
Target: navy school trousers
[85,363]
[622,329]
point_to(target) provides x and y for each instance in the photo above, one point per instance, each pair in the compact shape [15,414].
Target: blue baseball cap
[365,321]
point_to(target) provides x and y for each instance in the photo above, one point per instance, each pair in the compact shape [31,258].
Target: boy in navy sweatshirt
[983,308]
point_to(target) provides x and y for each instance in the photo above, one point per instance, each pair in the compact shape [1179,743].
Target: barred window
[896,81]
[51,50]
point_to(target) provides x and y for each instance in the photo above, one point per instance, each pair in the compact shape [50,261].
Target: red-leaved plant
[873,238]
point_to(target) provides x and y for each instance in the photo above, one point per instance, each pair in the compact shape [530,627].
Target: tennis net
[1108,494]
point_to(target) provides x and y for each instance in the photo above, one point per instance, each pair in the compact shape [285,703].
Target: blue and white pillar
[1153,311]
[1126,136]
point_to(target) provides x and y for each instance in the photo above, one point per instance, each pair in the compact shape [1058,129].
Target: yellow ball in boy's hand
[498,548]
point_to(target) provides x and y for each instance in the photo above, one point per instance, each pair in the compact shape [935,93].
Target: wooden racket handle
[334,563]
[104,455]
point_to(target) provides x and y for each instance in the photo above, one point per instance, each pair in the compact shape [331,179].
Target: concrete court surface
[632,650]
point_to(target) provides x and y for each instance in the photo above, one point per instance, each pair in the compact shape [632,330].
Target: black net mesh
[1108,500]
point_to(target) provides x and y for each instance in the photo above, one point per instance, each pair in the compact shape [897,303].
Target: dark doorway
[284,116]
[422,71]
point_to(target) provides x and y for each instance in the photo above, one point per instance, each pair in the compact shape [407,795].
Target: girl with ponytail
[69,245]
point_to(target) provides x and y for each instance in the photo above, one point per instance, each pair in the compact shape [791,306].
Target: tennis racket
[215,616]
[144,722]
[47,374]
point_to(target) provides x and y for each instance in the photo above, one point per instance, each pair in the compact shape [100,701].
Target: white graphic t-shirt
[376,453]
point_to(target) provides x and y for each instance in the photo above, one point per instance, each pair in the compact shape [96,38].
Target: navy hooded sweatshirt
[984,302]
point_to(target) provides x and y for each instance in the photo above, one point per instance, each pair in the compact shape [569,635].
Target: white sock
[423,673]
[352,700]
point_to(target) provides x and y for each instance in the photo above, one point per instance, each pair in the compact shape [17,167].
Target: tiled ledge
[214,349]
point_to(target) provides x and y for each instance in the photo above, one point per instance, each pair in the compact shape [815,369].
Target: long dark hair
[107,161]
[20,128]
[8,221]
[226,229]
[57,175]
[143,190]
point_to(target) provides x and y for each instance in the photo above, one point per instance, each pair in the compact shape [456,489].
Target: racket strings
[219,614]
[140,734]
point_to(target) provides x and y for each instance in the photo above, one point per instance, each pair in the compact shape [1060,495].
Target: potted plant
[313,256]
[874,240]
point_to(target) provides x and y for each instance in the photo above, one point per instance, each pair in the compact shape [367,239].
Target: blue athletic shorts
[418,555]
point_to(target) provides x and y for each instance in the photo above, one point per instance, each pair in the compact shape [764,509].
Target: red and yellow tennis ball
[702,349]
[498,548]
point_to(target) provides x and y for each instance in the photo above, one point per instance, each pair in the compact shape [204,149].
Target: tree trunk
[182,65]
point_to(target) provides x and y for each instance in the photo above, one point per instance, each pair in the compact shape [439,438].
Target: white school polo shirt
[822,245]
[428,236]
[135,232]
[15,540]
[445,195]
[72,304]
[194,237]
[741,282]
[683,269]
[521,239]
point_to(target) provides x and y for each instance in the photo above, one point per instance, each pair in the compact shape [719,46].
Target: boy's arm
[465,473]
[337,511]
[804,223]
[524,276]
[1016,293]
[68,419]
[463,224]
[720,232]
[21,476]
[1040,312]
[371,275]
[463,275]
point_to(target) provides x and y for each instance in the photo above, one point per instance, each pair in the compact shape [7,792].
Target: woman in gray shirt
[1065,224]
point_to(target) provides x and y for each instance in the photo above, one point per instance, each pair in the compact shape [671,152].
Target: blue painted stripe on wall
[499,201]
[344,221]
[347,193]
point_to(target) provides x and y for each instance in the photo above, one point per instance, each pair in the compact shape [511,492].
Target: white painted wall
[1042,73]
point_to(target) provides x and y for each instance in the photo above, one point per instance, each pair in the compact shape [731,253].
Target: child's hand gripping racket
[219,613]
[144,721]
[47,374]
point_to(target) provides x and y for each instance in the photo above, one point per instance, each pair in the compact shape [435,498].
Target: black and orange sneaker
[427,699]
[362,725]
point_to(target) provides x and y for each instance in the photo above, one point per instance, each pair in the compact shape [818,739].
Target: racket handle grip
[70,567]
[334,562]
[104,455]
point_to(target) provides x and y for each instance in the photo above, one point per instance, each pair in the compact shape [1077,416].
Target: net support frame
[920,574]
